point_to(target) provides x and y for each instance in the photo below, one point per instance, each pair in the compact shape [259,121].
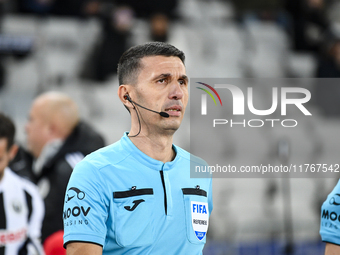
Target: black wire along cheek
[134,107]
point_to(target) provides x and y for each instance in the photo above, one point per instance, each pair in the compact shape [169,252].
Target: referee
[21,207]
[136,195]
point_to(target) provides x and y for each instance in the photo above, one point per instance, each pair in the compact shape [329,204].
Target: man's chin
[171,129]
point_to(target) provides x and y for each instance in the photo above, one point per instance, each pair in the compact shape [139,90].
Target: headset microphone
[163,114]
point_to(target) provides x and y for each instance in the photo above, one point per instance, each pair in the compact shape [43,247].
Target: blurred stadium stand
[248,213]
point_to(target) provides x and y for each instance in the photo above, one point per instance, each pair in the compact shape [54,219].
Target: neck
[156,147]
[2,174]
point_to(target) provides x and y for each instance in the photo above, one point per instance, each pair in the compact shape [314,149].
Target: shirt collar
[48,152]
[145,159]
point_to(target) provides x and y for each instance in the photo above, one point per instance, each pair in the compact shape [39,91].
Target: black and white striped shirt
[21,215]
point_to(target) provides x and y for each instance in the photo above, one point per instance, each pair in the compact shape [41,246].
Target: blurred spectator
[329,59]
[21,207]
[57,140]
[328,66]
[117,18]
[260,9]
[309,22]
[116,24]
[158,12]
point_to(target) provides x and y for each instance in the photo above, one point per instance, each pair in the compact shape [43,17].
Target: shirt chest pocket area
[196,214]
[132,217]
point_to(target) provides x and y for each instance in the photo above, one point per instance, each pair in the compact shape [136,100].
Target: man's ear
[123,91]
[13,151]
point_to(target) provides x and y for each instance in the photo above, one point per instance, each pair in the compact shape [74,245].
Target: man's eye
[162,80]
[182,82]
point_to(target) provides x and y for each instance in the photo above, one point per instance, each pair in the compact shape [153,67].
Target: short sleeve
[85,206]
[330,217]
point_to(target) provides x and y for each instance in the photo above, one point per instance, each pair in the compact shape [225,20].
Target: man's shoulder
[190,157]
[18,180]
[333,199]
[106,156]
[87,131]
[83,139]
[329,213]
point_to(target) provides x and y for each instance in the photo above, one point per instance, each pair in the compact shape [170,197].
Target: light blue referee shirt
[330,217]
[129,203]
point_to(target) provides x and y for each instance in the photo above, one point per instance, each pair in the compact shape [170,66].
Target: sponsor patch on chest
[199,218]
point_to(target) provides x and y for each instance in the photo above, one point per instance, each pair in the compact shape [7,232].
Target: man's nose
[176,91]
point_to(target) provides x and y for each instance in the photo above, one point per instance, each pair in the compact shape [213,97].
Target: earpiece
[127,97]
[163,114]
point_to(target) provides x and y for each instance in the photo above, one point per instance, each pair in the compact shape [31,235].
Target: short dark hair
[7,130]
[129,64]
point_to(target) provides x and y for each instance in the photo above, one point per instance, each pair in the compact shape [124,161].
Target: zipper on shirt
[165,200]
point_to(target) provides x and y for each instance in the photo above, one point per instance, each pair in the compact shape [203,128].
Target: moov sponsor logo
[76,211]
[333,216]
[75,192]
[199,217]
[335,200]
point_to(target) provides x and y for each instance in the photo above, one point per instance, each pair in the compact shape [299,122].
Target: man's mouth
[174,109]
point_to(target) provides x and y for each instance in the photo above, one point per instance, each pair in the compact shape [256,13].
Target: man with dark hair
[130,63]
[21,207]
[136,195]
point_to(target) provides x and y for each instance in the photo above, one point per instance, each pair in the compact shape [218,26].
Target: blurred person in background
[21,207]
[56,140]
[328,65]
[117,18]
[157,12]
[116,22]
[265,10]
[330,225]
[308,23]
